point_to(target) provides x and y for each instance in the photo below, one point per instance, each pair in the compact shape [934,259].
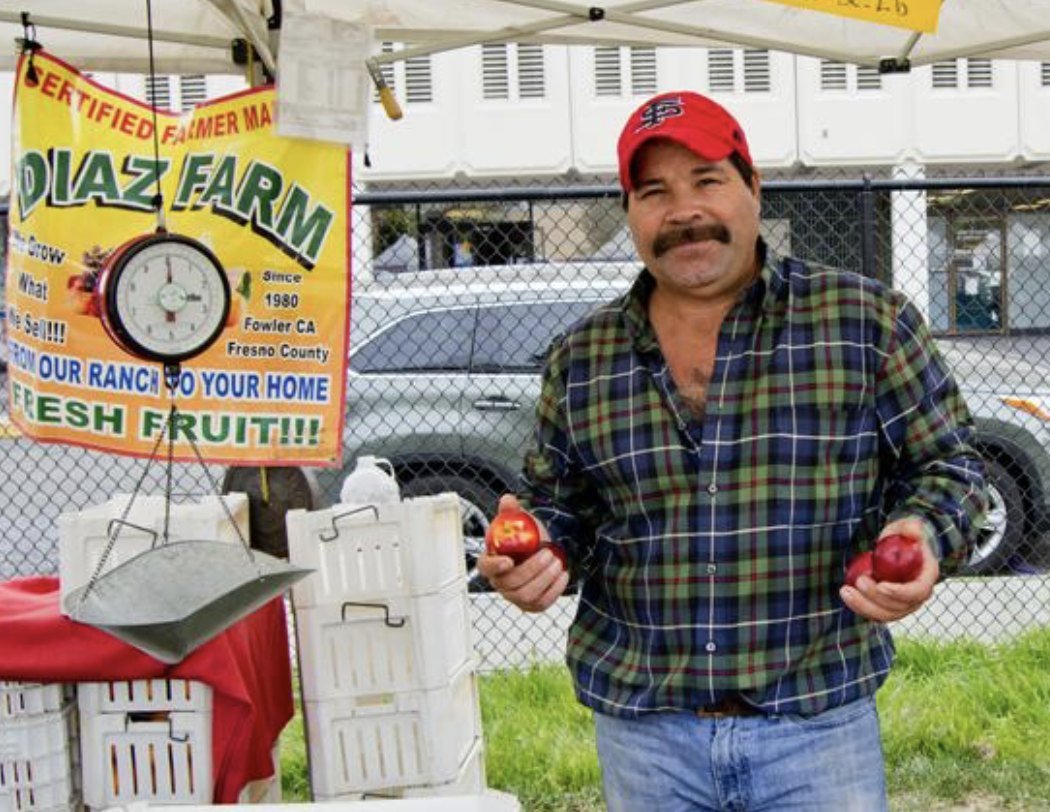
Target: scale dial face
[164,297]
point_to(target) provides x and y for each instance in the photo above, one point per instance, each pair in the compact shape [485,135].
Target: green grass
[965,726]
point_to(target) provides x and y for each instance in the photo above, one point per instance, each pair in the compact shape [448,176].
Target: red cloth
[247,667]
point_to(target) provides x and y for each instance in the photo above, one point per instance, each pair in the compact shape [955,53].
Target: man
[712,450]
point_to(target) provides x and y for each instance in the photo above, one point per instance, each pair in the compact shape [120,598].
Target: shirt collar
[759,296]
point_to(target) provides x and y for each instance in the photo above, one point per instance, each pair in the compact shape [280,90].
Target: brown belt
[728,706]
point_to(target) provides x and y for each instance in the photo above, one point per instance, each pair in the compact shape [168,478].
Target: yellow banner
[915,15]
[273,210]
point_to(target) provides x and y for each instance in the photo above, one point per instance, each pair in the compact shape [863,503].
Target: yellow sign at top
[917,15]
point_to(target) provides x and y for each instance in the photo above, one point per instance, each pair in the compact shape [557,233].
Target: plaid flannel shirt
[712,552]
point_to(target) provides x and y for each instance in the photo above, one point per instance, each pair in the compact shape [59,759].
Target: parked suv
[444,376]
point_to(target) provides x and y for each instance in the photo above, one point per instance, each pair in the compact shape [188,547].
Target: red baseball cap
[694,121]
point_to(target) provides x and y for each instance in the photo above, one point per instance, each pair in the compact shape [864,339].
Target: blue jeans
[679,762]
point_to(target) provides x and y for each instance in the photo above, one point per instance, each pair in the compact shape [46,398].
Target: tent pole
[511,34]
[617,15]
[41,21]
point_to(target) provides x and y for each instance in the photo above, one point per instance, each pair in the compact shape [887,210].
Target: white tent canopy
[195,36]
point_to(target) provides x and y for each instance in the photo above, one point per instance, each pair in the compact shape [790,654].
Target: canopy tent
[196,36]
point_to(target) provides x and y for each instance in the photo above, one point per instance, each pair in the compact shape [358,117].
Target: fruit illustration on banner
[82,288]
[897,558]
[514,533]
[241,289]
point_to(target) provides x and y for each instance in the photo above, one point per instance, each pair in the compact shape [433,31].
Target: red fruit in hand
[860,565]
[897,558]
[558,552]
[513,533]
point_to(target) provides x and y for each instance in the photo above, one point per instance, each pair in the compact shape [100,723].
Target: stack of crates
[84,535]
[386,663]
[145,740]
[39,760]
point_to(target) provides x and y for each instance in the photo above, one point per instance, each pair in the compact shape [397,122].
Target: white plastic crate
[145,740]
[488,801]
[359,553]
[154,756]
[405,739]
[391,644]
[470,781]
[84,535]
[144,696]
[29,698]
[39,768]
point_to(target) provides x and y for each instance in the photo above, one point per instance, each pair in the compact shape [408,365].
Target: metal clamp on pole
[386,95]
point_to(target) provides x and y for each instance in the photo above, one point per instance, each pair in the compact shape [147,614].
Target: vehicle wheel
[1003,531]
[477,502]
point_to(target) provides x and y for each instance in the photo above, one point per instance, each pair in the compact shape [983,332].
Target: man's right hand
[532,585]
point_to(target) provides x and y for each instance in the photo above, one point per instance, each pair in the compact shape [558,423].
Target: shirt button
[712,489]
[710,648]
[712,569]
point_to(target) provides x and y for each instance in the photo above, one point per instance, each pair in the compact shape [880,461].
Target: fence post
[867,229]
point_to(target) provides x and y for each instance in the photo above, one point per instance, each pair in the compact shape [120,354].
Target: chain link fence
[458,292]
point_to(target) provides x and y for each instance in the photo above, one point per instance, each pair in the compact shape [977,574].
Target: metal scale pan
[171,599]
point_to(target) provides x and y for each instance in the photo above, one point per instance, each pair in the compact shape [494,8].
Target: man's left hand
[885,601]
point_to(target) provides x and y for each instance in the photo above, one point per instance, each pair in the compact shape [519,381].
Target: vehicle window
[515,337]
[437,340]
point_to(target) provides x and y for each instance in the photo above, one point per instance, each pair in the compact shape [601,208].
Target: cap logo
[657,112]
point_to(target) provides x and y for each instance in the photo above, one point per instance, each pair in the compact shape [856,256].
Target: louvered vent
[532,80]
[607,74]
[720,72]
[756,72]
[832,75]
[643,71]
[495,81]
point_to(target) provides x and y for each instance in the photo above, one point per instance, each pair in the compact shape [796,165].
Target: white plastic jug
[369,483]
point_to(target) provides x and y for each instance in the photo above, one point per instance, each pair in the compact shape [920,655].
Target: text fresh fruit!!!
[897,558]
[513,533]
[860,565]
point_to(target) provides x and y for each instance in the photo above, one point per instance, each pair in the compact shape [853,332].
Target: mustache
[674,237]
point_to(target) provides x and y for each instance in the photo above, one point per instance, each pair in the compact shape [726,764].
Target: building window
[724,66]
[1045,73]
[721,72]
[532,78]
[832,75]
[946,74]
[415,75]
[419,83]
[643,71]
[977,73]
[836,76]
[495,82]
[607,73]
[756,72]
[158,92]
[868,78]
[618,69]
[192,91]
[498,63]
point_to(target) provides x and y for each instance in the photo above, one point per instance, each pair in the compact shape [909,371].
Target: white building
[543,113]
